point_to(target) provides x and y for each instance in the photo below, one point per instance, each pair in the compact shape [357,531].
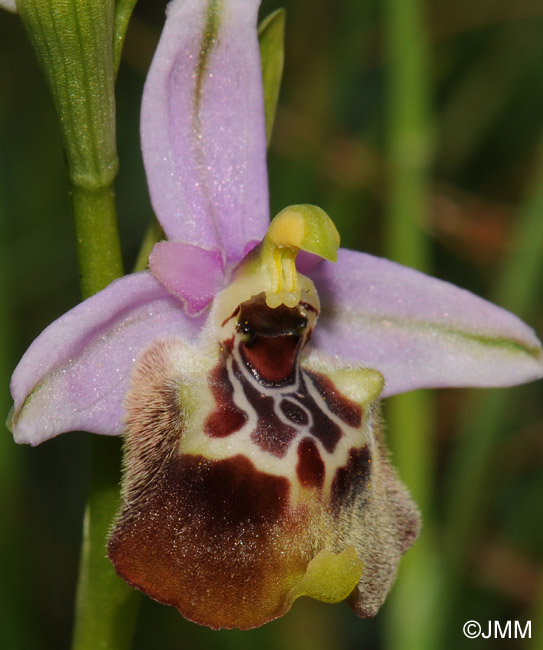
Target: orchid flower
[246,381]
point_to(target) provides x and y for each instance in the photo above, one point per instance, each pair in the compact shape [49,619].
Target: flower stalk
[78,46]
[97,238]
[410,415]
[106,607]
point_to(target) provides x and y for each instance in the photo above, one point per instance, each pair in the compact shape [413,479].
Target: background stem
[106,607]
[78,45]
[99,248]
[410,416]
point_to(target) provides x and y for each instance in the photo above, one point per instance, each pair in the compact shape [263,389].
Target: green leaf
[73,41]
[271,36]
[123,11]
[74,45]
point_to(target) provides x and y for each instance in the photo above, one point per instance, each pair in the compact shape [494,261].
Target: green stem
[410,416]
[78,44]
[98,244]
[106,607]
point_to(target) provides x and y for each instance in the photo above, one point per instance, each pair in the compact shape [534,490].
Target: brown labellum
[242,467]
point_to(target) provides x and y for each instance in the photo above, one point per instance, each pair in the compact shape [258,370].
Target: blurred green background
[418,128]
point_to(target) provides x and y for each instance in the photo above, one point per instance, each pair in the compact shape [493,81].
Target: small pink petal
[419,331]
[75,375]
[192,274]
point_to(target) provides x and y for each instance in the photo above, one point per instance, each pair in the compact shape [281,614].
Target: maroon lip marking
[269,345]
[274,340]
[323,428]
[270,434]
[351,478]
[227,418]
[228,344]
[293,412]
[345,409]
[310,467]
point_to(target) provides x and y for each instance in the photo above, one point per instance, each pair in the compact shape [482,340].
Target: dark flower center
[271,340]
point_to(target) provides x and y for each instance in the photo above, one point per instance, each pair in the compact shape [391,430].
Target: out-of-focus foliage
[329,147]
